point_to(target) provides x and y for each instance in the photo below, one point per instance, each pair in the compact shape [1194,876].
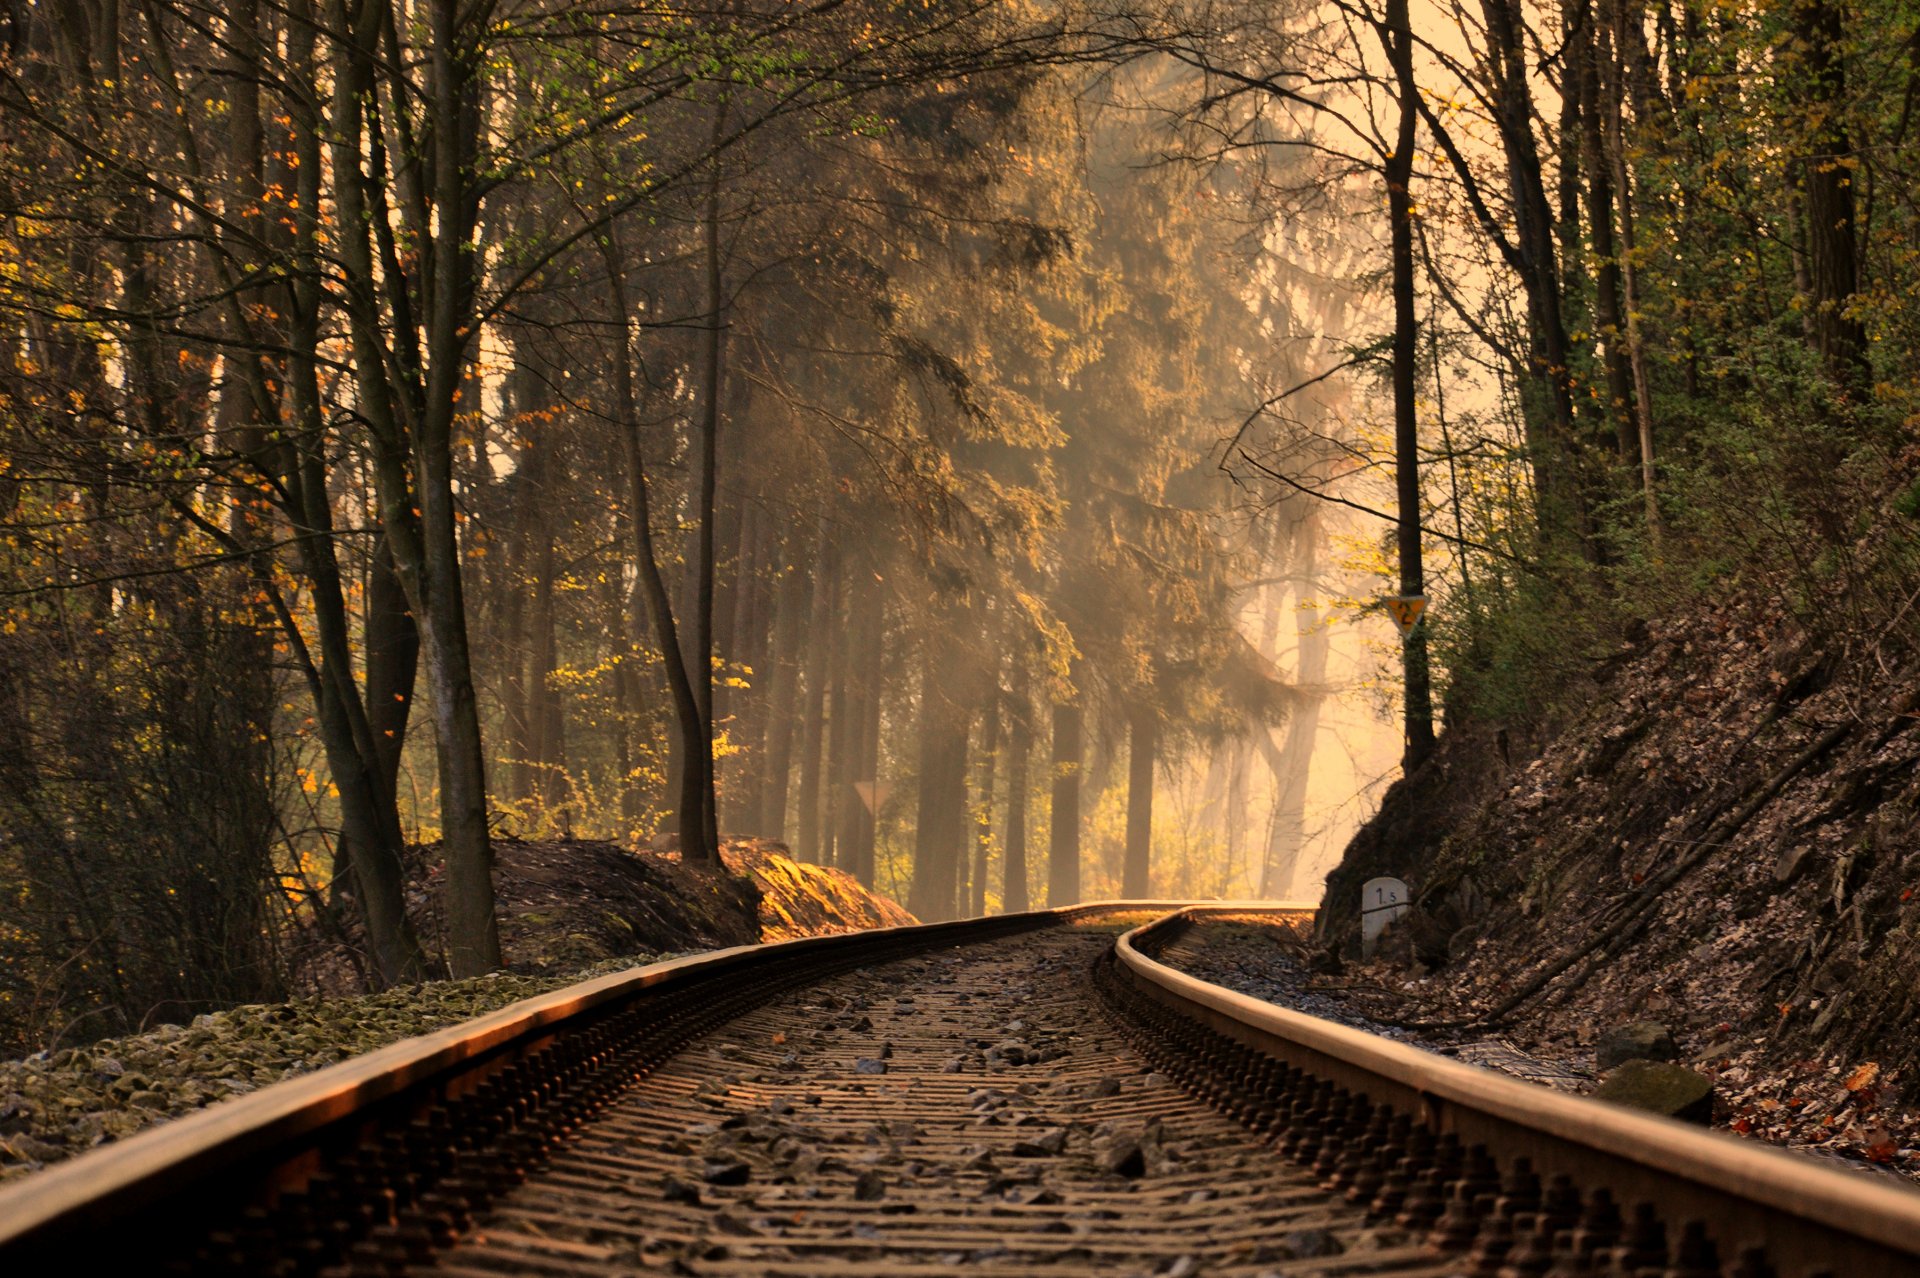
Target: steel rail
[251,1148]
[1761,1207]
[1383,1124]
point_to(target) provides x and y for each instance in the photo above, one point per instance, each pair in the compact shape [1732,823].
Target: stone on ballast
[1634,1041]
[1660,1087]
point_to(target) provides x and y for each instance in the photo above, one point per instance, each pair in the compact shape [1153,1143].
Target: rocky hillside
[1726,838]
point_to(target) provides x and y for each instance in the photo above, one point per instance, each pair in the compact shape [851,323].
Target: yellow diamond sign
[1406,611]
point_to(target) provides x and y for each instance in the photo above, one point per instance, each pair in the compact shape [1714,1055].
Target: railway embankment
[571,910]
[1718,833]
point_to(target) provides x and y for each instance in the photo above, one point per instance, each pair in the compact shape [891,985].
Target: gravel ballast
[54,1105]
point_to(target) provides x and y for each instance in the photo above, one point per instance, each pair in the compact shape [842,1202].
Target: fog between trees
[968,442]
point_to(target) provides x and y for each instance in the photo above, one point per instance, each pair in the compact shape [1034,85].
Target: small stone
[1011,1051]
[1791,861]
[871,1187]
[1104,1088]
[1660,1087]
[1123,1156]
[1634,1041]
[1054,1142]
[868,1065]
[1307,1244]
[730,1172]
[675,1190]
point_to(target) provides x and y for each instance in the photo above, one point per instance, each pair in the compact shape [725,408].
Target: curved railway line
[1018,1095]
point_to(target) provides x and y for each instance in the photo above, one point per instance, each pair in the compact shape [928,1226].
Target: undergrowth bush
[1775,507]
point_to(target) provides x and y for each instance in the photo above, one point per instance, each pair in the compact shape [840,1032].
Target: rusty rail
[398,1152]
[1510,1171]
[447,1119]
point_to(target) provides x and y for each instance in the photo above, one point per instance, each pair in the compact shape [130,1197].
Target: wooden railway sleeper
[415,1180]
[398,1194]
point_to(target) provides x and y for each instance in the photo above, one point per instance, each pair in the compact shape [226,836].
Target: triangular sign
[1405,611]
[873,793]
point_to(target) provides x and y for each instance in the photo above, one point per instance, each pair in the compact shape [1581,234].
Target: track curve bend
[1017,1095]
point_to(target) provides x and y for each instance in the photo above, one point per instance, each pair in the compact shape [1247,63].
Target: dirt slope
[571,903]
[801,899]
[1725,840]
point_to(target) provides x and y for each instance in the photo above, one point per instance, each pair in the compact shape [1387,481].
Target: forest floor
[569,911]
[1276,964]
[1722,836]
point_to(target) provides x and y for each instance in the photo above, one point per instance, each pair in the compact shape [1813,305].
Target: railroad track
[1020,1095]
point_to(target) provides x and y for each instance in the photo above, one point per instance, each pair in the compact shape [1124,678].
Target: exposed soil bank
[1725,839]
[1265,961]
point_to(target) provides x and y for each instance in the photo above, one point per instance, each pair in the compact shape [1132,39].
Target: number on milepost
[1381,902]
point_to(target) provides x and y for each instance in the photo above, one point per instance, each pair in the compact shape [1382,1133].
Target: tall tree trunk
[392,658]
[743,714]
[987,762]
[1600,107]
[734,551]
[361,763]
[1417,698]
[1013,882]
[1235,818]
[546,740]
[1574,111]
[826,580]
[835,819]
[1555,463]
[1143,729]
[699,819]
[427,550]
[1292,763]
[1063,818]
[872,676]
[776,769]
[626,690]
[693,731]
[852,690]
[1616,148]
[533,718]
[1827,179]
[939,839]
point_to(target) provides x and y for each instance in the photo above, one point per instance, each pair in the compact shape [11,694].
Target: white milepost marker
[1381,902]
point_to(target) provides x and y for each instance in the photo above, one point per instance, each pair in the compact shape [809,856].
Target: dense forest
[922,434]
